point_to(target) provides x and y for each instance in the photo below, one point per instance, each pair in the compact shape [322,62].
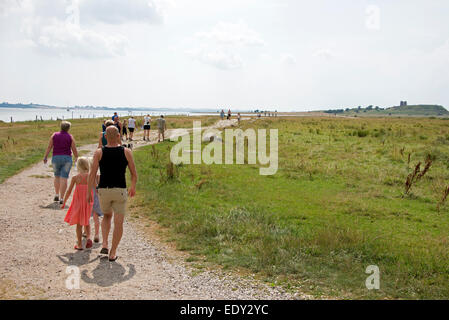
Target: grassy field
[24,143]
[336,206]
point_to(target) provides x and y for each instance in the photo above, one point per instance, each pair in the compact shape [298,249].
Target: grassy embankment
[334,207]
[24,143]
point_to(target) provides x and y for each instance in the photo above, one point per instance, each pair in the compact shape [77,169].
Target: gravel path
[37,248]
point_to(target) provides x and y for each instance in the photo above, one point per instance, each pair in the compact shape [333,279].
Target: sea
[30,114]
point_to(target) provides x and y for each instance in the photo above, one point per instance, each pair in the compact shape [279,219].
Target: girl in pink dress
[80,210]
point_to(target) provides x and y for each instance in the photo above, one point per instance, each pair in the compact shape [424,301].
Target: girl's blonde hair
[83,164]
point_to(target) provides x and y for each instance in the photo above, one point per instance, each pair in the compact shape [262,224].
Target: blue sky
[246,54]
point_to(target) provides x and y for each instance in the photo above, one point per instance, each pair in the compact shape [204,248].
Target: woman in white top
[131,127]
[146,127]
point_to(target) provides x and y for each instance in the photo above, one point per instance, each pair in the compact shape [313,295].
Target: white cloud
[219,58]
[69,27]
[120,11]
[54,26]
[232,34]
[93,11]
[6,5]
[66,39]
[221,47]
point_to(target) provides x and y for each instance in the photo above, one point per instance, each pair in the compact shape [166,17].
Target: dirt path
[37,248]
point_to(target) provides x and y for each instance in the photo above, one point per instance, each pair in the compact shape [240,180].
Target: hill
[24,106]
[421,110]
[409,111]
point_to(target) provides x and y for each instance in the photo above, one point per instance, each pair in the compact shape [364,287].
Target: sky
[285,55]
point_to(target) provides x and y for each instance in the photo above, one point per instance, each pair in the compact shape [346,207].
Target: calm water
[53,114]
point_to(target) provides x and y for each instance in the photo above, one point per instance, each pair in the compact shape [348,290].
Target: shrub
[362,133]
[417,174]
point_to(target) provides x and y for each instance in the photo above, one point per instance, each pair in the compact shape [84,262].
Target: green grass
[24,143]
[334,207]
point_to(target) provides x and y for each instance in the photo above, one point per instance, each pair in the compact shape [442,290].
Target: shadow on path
[77,258]
[108,273]
[53,205]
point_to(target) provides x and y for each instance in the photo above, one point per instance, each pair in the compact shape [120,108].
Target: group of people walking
[104,195]
[130,125]
[99,195]
[229,115]
[161,128]
[123,127]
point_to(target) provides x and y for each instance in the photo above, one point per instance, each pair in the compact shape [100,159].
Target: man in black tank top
[112,159]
